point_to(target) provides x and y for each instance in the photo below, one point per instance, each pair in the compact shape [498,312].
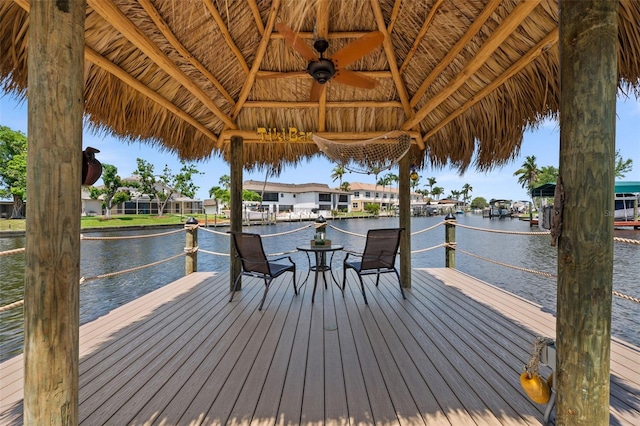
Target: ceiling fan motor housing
[321,70]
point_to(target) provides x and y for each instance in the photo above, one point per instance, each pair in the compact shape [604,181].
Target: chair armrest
[280,258]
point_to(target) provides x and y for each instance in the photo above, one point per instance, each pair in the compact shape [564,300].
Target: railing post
[450,240]
[191,246]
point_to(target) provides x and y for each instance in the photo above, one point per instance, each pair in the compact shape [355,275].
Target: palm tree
[528,173]
[225,180]
[437,191]
[466,189]
[431,181]
[345,186]
[338,172]
[382,182]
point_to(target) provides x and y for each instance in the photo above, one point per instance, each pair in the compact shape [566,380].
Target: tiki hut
[459,79]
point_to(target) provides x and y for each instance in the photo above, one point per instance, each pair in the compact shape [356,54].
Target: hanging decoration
[414,174]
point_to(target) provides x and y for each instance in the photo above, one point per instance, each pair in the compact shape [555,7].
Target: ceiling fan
[325,69]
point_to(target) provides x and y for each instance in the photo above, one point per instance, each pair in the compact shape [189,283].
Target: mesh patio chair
[379,257]
[255,263]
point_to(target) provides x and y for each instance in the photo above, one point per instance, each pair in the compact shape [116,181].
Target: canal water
[98,297]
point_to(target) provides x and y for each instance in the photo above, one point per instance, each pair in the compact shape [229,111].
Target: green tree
[527,173]
[479,203]
[251,196]
[337,173]
[622,166]
[546,174]
[372,208]
[164,186]
[114,189]
[225,181]
[455,194]
[437,192]
[414,184]
[430,183]
[220,195]
[345,186]
[13,168]
[466,189]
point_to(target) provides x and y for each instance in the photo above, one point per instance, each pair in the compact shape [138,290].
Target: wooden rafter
[393,66]
[256,15]
[508,26]
[455,50]
[112,14]
[250,136]
[262,48]
[310,104]
[104,63]
[330,36]
[526,59]
[394,15]
[423,30]
[303,74]
[173,40]
[226,35]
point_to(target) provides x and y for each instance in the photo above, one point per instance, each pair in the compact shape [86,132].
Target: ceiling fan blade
[354,79]
[316,91]
[357,49]
[297,43]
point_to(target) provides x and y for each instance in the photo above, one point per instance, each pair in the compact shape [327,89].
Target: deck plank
[450,353]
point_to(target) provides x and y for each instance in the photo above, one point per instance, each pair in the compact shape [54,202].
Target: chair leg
[264,296]
[363,293]
[235,287]
[295,289]
[400,283]
[378,278]
[344,278]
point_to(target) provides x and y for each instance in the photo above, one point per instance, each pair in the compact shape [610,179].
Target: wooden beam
[256,15]
[113,15]
[236,164]
[389,51]
[508,26]
[173,40]
[303,74]
[252,136]
[54,178]
[394,15]
[537,50]
[588,77]
[309,104]
[262,48]
[471,32]
[330,36]
[423,30]
[226,35]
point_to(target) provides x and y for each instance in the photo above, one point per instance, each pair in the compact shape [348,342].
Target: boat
[626,207]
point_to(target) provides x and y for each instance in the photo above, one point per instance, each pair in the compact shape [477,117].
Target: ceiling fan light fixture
[321,70]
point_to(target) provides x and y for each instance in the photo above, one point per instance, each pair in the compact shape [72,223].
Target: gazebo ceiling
[464,77]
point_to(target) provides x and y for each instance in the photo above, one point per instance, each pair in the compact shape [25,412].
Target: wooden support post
[191,246]
[588,78]
[404,201]
[450,239]
[54,174]
[237,163]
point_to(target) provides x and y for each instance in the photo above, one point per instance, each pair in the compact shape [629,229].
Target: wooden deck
[451,353]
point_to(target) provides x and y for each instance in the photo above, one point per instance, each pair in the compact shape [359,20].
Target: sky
[499,183]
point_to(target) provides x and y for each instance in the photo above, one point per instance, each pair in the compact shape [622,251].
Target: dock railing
[192,249]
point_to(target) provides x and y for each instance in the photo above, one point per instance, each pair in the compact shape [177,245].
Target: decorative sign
[281,135]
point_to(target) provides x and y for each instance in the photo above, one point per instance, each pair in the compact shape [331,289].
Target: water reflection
[98,297]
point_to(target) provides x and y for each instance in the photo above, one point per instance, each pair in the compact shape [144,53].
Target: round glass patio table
[321,266]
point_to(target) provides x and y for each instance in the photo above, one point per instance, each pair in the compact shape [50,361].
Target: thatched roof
[464,77]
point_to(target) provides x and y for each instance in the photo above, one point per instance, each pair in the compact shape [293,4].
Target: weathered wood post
[237,162]
[450,240]
[54,177]
[191,246]
[404,202]
[588,78]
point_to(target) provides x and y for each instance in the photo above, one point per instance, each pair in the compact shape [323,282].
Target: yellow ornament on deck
[536,387]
